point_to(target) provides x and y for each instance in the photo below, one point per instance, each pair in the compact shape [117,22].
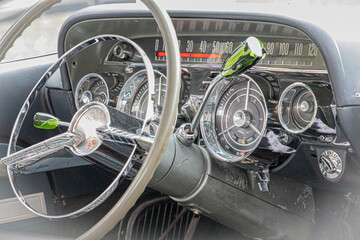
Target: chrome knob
[331,165]
[47,121]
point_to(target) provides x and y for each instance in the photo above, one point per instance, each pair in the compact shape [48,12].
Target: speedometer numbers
[282,52]
[235,118]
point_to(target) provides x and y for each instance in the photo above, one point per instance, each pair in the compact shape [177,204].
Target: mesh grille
[159,218]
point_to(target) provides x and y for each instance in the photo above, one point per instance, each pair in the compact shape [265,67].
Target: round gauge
[234,119]
[297,108]
[133,97]
[92,87]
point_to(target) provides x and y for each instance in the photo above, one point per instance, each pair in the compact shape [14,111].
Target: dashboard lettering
[203,46]
[189,45]
[284,49]
[216,47]
[270,48]
[313,50]
[229,47]
[298,49]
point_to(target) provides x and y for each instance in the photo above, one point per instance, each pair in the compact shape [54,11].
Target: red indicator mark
[161,54]
[184,54]
[192,55]
[205,55]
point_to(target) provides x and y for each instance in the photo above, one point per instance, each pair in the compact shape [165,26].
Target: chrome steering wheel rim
[32,96]
[165,128]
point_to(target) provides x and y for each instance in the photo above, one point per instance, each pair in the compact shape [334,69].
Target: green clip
[45,121]
[246,55]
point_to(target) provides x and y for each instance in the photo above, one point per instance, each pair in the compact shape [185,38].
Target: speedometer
[234,119]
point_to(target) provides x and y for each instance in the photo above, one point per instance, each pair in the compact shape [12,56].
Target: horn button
[241,118]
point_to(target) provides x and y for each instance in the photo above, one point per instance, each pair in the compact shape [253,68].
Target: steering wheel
[95,122]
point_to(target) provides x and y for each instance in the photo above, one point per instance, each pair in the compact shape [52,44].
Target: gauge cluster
[256,120]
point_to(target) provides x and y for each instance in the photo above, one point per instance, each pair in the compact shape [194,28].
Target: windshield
[41,37]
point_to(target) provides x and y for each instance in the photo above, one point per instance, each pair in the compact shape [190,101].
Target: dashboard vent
[159,218]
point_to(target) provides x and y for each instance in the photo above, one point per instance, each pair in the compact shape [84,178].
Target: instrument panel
[256,120]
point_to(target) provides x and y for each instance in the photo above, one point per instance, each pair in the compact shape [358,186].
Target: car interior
[212,121]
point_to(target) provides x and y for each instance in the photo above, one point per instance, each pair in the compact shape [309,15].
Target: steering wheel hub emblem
[92,142]
[86,121]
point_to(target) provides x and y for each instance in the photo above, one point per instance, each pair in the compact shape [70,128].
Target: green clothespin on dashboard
[243,57]
[47,121]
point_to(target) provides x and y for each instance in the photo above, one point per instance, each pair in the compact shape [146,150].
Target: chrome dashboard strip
[218,66]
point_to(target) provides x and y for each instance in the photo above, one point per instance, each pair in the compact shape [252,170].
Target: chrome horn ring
[73,139]
[165,127]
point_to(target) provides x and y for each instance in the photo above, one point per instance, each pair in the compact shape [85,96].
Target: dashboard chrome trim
[288,89]
[218,66]
[208,127]
[86,78]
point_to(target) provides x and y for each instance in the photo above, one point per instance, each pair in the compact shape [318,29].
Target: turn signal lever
[47,121]
[246,55]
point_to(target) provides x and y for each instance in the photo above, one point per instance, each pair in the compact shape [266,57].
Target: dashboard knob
[283,138]
[123,51]
[47,121]
[331,165]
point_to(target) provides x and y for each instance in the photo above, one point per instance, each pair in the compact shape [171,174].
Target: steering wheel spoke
[41,150]
[124,137]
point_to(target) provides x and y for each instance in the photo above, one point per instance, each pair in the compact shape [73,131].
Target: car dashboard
[290,88]
[275,154]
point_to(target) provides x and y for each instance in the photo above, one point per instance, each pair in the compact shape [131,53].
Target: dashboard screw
[283,138]
[350,150]
[129,70]
[329,139]
[312,148]
[196,211]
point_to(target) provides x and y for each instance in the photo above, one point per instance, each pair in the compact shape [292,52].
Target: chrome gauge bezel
[280,108]
[130,90]
[208,121]
[86,78]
